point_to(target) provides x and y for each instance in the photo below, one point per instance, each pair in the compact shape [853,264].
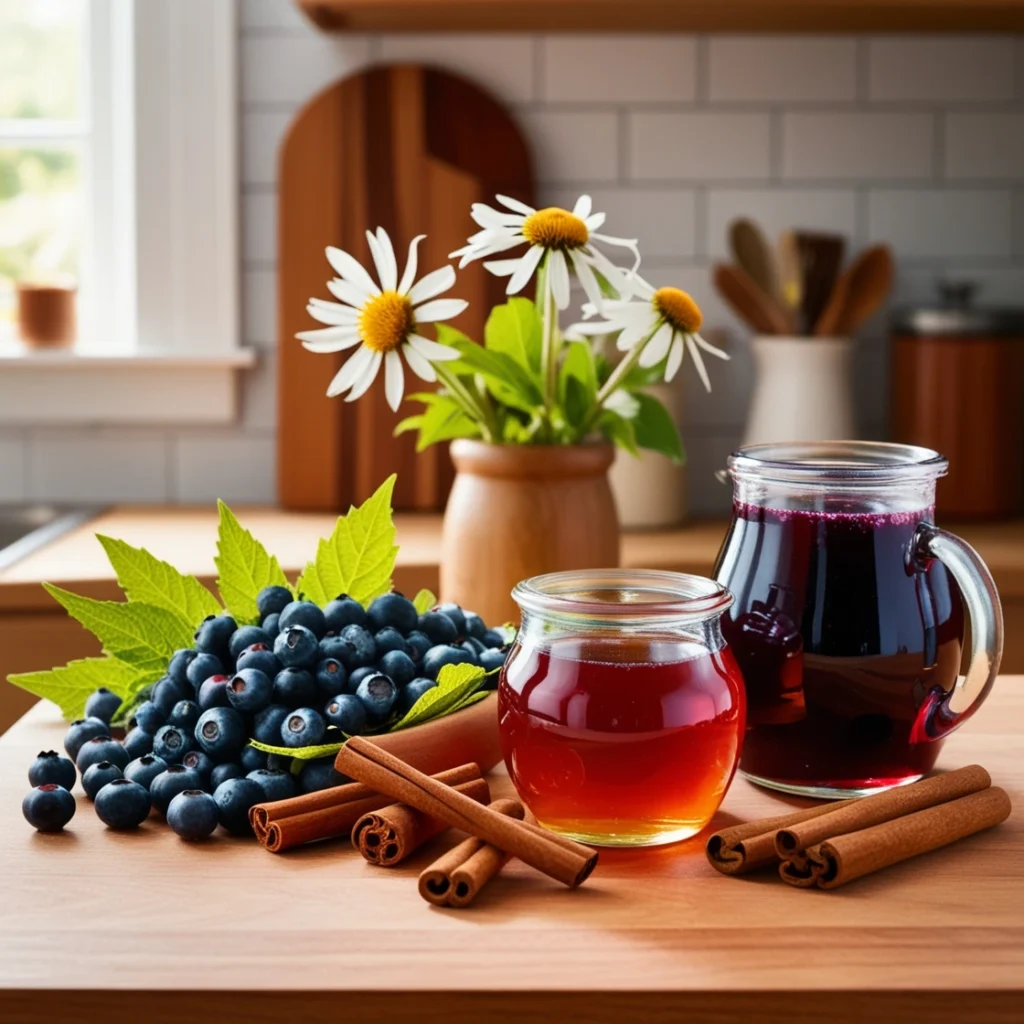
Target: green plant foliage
[244,568]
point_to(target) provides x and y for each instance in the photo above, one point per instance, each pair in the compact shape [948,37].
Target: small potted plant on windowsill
[533,413]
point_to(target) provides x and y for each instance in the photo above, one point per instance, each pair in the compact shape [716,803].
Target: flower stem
[549,350]
[615,378]
[470,403]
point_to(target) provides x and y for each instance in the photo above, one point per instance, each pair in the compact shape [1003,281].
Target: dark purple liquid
[839,644]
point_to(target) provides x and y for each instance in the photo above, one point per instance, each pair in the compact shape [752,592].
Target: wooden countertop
[96,925]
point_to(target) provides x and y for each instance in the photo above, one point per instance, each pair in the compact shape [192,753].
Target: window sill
[39,387]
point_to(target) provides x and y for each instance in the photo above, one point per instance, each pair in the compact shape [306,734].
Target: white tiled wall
[915,140]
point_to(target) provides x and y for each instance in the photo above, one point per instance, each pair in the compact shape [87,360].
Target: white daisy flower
[666,321]
[383,319]
[564,237]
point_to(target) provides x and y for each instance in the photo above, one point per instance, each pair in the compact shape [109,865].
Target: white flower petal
[439,309]
[348,293]
[350,372]
[434,283]
[362,384]
[657,348]
[503,268]
[487,217]
[527,265]
[331,314]
[586,278]
[675,358]
[558,278]
[592,327]
[708,347]
[622,402]
[594,221]
[633,334]
[615,276]
[639,286]
[384,258]
[409,274]
[583,207]
[626,243]
[394,379]
[350,269]
[326,343]
[431,350]
[419,364]
[515,204]
[698,361]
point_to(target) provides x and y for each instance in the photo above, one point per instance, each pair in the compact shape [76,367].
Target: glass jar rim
[645,596]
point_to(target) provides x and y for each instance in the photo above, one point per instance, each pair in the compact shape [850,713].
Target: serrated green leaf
[655,429]
[70,686]
[359,556]
[473,698]
[299,753]
[244,568]
[424,601]
[506,380]
[454,684]
[144,577]
[515,329]
[139,633]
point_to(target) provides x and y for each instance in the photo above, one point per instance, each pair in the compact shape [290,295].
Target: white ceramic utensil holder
[803,390]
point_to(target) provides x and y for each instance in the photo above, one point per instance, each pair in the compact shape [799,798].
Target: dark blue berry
[48,808]
[102,748]
[418,644]
[252,759]
[471,651]
[272,624]
[472,643]
[389,639]
[122,804]
[201,668]
[294,688]
[346,712]
[148,716]
[246,636]
[393,609]
[338,648]
[304,727]
[234,799]
[80,730]
[266,726]
[172,743]
[456,614]
[180,661]
[296,647]
[166,693]
[50,767]
[378,694]
[305,614]
[475,626]
[491,660]
[320,774]
[399,666]
[356,677]
[221,733]
[102,704]
[168,784]
[213,694]
[438,627]
[145,769]
[492,638]
[273,600]
[223,772]
[276,784]
[363,649]
[214,636]
[250,691]
[412,693]
[184,715]
[259,656]
[344,611]
[98,775]
[331,678]
[437,657]
[138,742]
[192,814]
[201,763]
[278,762]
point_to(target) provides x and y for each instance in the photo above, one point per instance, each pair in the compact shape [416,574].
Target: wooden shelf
[666,15]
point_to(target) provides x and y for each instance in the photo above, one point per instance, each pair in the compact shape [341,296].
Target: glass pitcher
[848,620]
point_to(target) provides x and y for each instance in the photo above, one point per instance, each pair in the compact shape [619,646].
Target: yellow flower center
[554,228]
[386,321]
[678,309]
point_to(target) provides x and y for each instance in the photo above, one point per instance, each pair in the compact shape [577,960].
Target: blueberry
[80,730]
[492,659]
[338,648]
[148,716]
[378,694]
[473,657]
[201,668]
[102,748]
[389,639]
[320,774]
[472,643]
[493,638]
[475,626]
[438,627]
[303,728]
[168,784]
[214,636]
[138,742]
[223,772]
[280,763]
[259,656]
[246,636]
[172,743]
[201,763]
[145,769]
[266,726]
[184,715]
[412,693]
[221,733]
[305,614]
[331,678]
[98,775]
[122,804]
[180,661]
[393,609]
[399,666]
[294,688]
[48,807]
[296,647]
[252,759]
[363,649]
[437,657]
[272,624]
[213,694]
[250,691]
[357,676]
[273,600]
[234,799]
[418,644]
[166,693]
[192,814]
[344,611]
[102,704]
[50,767]
[346,712]
[276,784]
[456,614]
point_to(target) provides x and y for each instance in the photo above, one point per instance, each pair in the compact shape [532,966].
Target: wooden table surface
[110,927]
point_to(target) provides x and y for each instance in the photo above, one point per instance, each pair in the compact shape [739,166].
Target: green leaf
[300,753]
[409,423]
[359,556]
[70,686]
[424,601]
[454,684]
[141,634]
[244,567]
[655,429]
[444,420]
[579,364]
[143,577]
[616,429]
[515,330]
[506,380]
[473,698]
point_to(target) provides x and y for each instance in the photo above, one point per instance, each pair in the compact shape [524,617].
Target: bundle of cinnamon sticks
[832,844]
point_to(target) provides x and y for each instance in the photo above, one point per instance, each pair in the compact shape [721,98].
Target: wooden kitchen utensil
[752,252]
[821,257]
[409,149]
[749,302]
[859,291]
[791,278]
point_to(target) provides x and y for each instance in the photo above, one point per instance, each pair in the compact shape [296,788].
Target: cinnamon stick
[386,837]
[843,858]
[455,878]
[564,860]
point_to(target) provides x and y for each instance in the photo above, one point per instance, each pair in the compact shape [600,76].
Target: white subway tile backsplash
[290,69]
[259,308]
[985,145]
[98,468]
[13,485]
[999,286]
[1018,222]
[578,146]
[259,394]
[271,14]
[262,134]
[259,227]
[773,69]
[706,454]
[619,69]
[938,223]
[236,467]
[941,68]
[719,146]
[857,146]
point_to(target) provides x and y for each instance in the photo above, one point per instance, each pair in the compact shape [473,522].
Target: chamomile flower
[666,321]
[564,238]
[383,320]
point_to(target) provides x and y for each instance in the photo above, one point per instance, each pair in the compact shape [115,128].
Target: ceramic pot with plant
[536,410]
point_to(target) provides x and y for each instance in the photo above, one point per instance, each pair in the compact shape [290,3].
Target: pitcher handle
[949,709]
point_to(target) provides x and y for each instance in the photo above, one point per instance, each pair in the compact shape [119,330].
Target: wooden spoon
[859,291]
[791,276]
[752,252]
[821,257]
[751,304]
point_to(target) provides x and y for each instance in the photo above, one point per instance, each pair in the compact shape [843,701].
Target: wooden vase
[517,511]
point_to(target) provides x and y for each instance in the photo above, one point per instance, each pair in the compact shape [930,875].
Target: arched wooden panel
[407,148]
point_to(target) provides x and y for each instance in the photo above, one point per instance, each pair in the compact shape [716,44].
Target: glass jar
[621,709]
